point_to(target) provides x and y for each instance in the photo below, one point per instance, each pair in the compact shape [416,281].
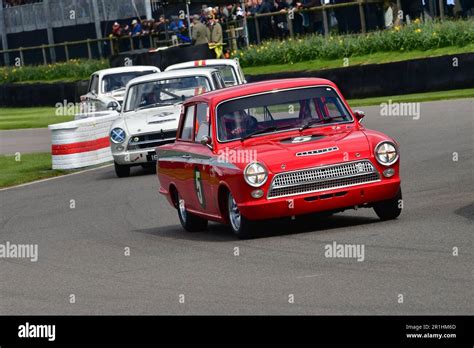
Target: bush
[72,70]
[416,36]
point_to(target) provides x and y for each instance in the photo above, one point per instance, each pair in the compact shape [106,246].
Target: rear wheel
[122,170]
[242,227]
[189,221]
[389,209]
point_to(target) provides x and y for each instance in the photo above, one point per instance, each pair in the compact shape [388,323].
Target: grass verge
[373,58]
[415,98]
[37,117]
[26,168]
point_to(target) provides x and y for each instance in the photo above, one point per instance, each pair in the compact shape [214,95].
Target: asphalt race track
[81,250]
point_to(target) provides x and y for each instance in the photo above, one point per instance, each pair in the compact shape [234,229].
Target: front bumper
[135,157]
[338,199]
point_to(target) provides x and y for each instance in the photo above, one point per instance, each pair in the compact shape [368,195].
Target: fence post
[399,8]
[362,17]
[49,31]
[131,43]
[150,40]
[3,37]
[325,21]
[21,56]
[112,47]
[289,23]
[89,51]
[66,51]
[233,40]
[257,29]
[45,60]
[441,9]
[98,31]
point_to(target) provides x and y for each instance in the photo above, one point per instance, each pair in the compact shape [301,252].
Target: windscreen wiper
[264,130]
[152,106]
[310,123]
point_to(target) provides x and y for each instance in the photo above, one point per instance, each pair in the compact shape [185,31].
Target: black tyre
[121,170]
[389,209]
[242,227]
[189,221]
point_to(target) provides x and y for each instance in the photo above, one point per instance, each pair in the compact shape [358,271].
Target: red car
[276,149]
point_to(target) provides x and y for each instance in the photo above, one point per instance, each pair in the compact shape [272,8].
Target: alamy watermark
[236,156]
[347,251]
[19,251]
[66,108]
[28,330]
[400,109]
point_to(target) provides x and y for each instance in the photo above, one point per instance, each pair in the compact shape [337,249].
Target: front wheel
[389,209]
[122,170]
[189,221]
[242,227]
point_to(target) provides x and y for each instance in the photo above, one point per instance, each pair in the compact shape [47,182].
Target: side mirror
[359,114]
[207,141]
[114,106]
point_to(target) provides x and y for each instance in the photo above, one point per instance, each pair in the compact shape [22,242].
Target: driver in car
[238,124]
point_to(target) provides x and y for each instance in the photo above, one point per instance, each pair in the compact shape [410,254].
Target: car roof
[172,74]
[259,87]
[201,63]
[125,69]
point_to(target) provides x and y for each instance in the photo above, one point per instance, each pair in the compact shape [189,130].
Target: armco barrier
[81,143]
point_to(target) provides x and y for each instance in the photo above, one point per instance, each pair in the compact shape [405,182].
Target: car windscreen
[113,82]
[228,74]
[274,111]
[165,92]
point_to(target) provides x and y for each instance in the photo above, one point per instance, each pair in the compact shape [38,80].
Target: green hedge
[72,70]
[416,36]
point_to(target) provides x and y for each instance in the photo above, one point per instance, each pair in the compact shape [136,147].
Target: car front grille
[322,178]
[151,140]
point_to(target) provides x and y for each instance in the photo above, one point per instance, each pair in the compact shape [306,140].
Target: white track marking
[309,276]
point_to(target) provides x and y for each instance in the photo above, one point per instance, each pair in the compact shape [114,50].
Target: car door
[203,188]
[92,102]
[183,175]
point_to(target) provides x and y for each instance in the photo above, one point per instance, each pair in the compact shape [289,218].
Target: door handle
[186,156]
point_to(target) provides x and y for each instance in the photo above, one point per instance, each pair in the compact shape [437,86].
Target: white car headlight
[386,153]
[117,135]
[255,174]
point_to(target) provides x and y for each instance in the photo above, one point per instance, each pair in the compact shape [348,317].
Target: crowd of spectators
[210,23]
[11,3]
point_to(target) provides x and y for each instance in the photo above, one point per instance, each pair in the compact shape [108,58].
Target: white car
[229,68]
[107,89]
[150,114]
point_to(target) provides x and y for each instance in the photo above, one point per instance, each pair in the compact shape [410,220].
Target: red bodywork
[177,163]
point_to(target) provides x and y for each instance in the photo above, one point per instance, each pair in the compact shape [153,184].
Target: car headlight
[117,135]
[255,174]
[386,153]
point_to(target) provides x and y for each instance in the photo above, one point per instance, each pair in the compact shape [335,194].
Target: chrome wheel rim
[234,214]
[182,209]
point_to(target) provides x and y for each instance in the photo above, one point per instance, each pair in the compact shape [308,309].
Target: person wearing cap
[199,34]
[214,30]
[136,28]
[116,30]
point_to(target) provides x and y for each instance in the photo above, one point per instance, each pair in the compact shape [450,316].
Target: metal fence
[90,48]
[238,33]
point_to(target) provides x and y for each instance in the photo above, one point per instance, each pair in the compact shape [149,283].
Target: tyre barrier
[81,143]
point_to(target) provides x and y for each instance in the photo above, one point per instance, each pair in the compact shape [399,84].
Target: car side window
[202,122]
[94,86]
[187,130]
